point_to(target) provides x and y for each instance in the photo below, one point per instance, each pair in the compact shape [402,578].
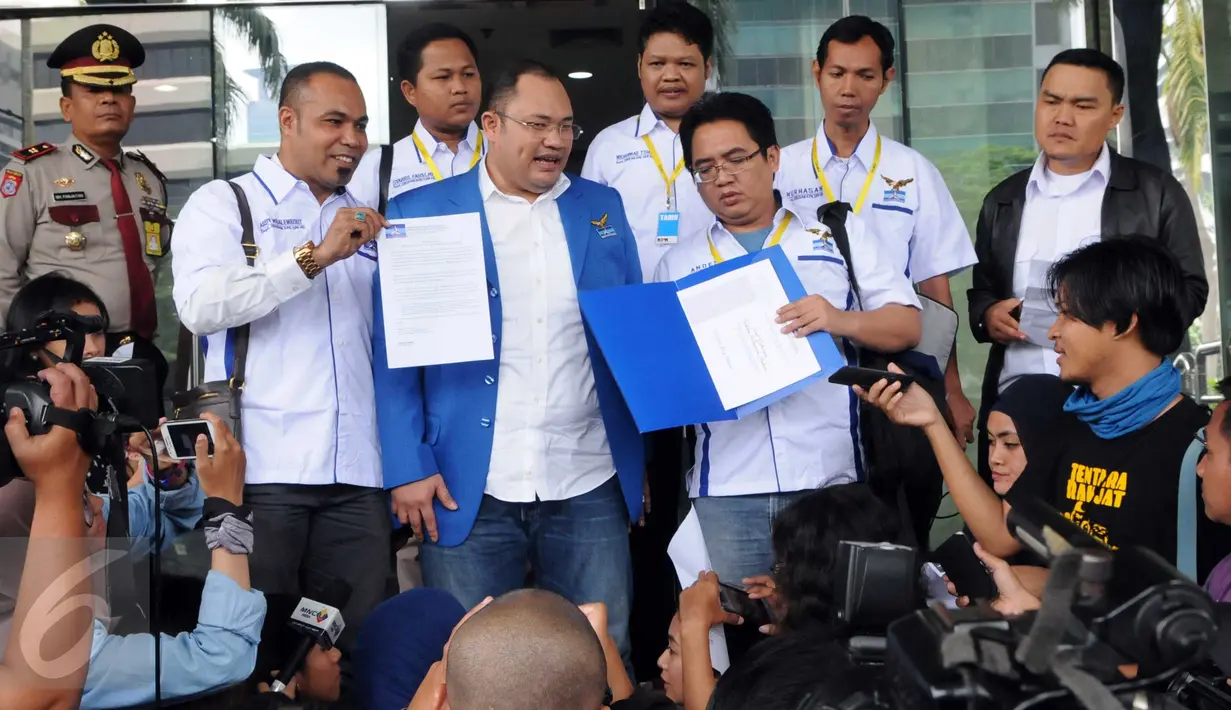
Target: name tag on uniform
[668,228]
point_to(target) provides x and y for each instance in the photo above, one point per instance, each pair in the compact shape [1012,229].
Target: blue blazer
[439,418]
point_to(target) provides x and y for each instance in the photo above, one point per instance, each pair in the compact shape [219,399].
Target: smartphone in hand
[180,437]
[957,559]
[866,377]
[734,598]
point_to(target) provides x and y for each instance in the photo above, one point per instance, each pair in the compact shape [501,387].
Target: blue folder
[647,342]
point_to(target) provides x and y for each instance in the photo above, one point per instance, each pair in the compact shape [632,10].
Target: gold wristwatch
[307,261]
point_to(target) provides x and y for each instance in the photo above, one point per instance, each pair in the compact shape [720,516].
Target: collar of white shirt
[647,121]
[718,231]
[277,180]
[1041,180]
[865,150]
[487,188]
[432,146]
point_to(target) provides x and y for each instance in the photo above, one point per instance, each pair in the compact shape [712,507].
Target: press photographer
[122,517]
[222,650]
[55,465]
[1116,458]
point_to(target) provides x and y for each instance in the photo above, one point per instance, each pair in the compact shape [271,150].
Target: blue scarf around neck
[1129,409]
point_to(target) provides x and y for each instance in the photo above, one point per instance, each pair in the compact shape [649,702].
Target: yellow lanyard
[658,163]
[863,194]
[431,164]
[777,237]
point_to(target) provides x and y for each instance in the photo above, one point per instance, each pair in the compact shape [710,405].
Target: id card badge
[668,228]
[153,239]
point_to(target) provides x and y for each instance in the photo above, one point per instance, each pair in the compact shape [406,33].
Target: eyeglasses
[1200,438]
[569,131]
[733,166]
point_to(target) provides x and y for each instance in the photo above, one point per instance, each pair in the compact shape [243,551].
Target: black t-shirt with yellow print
[1124,491]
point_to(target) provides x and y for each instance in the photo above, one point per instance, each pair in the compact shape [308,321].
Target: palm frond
[227,94]
[259,32]
[1184,86]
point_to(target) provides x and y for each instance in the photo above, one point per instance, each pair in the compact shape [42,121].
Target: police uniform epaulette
[138,155]
[37,150]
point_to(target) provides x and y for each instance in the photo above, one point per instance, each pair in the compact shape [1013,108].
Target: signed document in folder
[433,289]
[732,317]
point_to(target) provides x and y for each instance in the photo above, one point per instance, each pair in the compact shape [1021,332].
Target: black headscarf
[1035,403]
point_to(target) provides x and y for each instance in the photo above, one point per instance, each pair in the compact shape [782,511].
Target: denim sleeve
[219,653]
[181,510]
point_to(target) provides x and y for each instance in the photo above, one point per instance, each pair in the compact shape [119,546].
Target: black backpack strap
[386,170]
[833,216]
[184,349]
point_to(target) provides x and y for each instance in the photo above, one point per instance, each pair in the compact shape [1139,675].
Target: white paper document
[433,288]
[747,354]
[690,557]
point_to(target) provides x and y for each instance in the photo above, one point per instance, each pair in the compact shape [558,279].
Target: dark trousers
[306,536]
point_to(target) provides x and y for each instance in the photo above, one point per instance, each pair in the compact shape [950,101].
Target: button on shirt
[309,410]
[410,169]
[620,158]
[908,206]
[1062,213]
[549,440]
[809,439]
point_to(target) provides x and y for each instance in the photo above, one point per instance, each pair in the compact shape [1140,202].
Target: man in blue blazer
[532,457]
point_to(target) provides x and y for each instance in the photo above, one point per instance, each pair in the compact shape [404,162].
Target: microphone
[320,623]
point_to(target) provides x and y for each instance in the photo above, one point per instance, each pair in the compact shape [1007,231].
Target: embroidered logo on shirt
[896,193]
[823,242]
[281,224]
[804,193]
[12,181]
[634,155]
[408,179]
[600,225]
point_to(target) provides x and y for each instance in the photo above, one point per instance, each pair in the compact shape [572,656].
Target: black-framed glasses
[1200,438]
[568,130]
[732,166]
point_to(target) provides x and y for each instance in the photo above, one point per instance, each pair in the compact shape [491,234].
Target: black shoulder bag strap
[386,170]
[833,216]
[184,350]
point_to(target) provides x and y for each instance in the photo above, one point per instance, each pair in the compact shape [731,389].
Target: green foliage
[1184,86]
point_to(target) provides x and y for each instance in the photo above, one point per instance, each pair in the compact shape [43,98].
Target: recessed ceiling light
[580,75]
[166,87]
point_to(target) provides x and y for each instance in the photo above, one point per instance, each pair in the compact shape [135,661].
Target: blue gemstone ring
[361,217]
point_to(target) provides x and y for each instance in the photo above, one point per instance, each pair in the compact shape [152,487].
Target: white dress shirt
[908,206]
[548,438]
[1062,213]
[309,411]
[411,168]
[809,439]
[619,157]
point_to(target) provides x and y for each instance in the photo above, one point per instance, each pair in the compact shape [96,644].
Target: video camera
[127,390]
[1102,611]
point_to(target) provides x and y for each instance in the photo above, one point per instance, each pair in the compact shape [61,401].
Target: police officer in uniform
[88,209]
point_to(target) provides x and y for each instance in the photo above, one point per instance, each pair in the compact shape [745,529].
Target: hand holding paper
[707,348]
[433,287]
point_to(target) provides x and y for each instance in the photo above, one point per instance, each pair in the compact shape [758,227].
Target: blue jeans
[738,531]
[577,548]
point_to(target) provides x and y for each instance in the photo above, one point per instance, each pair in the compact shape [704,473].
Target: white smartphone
[181,437]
